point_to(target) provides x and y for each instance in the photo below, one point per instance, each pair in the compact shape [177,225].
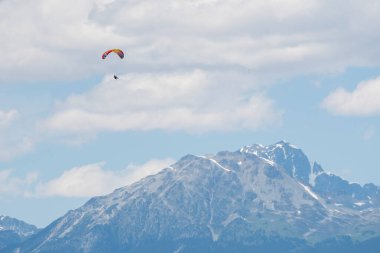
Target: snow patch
[231,218]
[312,194]
[311,231]
[215,236]
[179,249]
[268,161]
[224,168]
[215,162]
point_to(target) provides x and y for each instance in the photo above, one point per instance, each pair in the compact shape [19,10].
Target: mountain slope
[13,231]
[258,198]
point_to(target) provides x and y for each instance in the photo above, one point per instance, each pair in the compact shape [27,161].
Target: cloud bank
[194,101]
[51,39]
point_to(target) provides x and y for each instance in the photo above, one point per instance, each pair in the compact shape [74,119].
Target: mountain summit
[292,159]
[13,231]
[257,199]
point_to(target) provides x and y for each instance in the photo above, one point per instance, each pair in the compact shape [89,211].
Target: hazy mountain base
[239,238]
[258,243]
[9,239]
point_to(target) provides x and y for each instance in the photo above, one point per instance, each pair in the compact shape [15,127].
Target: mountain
[331,187]
[13,231]
[257,199]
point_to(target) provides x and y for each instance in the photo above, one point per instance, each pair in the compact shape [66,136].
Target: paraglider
[119,52]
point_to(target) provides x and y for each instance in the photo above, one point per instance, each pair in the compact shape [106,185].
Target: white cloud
[363,101]
[11,147]
[7,117]
[83,181]
[93,179]
[13,141]
[194,101]
[51,39]
[47,39]
[11,185]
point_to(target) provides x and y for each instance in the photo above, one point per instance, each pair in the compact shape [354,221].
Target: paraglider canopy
[119,52]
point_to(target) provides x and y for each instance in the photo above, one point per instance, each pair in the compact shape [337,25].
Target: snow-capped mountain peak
[13,231]
[291,158]
[246,197]
[11,224]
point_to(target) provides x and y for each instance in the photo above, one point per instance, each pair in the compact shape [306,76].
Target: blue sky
[198,77]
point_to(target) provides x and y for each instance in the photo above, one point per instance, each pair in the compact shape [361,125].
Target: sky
[198,77]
